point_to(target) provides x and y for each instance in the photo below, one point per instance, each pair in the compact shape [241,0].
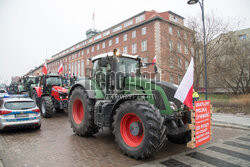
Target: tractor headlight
[173,106]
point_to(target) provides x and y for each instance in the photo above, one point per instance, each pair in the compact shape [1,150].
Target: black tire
[47,107]
[81,113]
[153,129]
[37,126]
[36,99]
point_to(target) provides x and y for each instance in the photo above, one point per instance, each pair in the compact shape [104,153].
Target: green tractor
[141,113]
[28,83]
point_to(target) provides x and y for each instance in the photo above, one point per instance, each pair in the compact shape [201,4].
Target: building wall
[150,28]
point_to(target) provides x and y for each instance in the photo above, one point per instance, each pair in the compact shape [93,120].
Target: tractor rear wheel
[81,113]
[47,107]
[139,129]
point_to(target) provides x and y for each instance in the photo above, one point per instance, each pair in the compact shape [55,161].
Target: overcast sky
[32,30]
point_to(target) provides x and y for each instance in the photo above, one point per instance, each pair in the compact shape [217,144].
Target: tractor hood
[60,89]
[170,90]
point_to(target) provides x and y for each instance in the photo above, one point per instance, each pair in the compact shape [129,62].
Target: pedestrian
[195,96]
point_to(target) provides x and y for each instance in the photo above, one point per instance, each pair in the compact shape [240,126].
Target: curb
[234,126]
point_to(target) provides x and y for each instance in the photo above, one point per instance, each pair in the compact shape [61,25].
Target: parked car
[18,111]
[3,92]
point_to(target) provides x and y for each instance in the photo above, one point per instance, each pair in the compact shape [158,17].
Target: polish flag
[185,90]
[45,71]
[60,69]
[154,60]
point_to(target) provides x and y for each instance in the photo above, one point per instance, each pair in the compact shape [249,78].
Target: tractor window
[126,65]
[97,68]
[54,81]
[31,80]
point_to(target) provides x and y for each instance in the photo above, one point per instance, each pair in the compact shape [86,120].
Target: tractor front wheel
[81,113]
[138,129]
[47,107]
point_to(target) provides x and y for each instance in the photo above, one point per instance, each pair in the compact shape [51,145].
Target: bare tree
[232,67]
[214,27]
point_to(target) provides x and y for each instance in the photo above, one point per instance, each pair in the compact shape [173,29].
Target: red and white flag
[45,71]
[60,69]
[185,90]
[154,60]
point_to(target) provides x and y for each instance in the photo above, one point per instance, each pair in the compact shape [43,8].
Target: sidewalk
[231,120]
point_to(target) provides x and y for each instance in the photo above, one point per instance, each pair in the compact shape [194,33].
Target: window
[88,51]
[170,30]
[92,49]
[69,57]
[179,47]
[72,68]
[185,49]
[125,37]
[103,45]
[97,47]
[79,68]
[134,48]
[134,34]
[87,61]
[125,49]
[178,34]
[117,40]
[75,68]
[110,42]
[145,60]
[82,52]
[243,37]
[143,30]
[79,54]
[179,79]
[144,45]
[82,67]
[171,62]
[186,64]
[171,78]
[179,62]
[171,45]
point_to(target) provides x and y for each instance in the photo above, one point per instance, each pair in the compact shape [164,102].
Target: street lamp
[191,2]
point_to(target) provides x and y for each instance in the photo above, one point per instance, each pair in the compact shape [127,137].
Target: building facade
[148,34]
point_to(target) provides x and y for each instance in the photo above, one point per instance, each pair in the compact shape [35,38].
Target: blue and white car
[16,111]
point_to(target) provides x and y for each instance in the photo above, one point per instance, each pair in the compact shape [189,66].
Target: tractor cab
[110,70]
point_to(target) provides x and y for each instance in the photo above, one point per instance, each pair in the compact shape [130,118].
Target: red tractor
[50,95]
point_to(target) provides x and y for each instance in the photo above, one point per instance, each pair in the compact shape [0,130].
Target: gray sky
[32,30]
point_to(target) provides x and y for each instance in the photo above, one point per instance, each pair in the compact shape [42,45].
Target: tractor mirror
[104,62]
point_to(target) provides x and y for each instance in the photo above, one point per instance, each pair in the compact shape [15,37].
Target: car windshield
[2,91]
[19,105]
[127,65]
[54,81]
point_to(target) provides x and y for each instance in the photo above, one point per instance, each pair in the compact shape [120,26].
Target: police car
[17,111]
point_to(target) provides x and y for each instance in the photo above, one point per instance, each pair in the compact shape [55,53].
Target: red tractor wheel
[138,129]
[131,130]
[78,111]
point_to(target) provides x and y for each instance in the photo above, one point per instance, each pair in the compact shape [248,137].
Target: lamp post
[191,2]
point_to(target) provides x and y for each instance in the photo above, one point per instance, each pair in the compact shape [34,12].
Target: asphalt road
[55,144]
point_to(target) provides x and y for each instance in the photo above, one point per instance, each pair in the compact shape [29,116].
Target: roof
[17,99]
[111,54]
